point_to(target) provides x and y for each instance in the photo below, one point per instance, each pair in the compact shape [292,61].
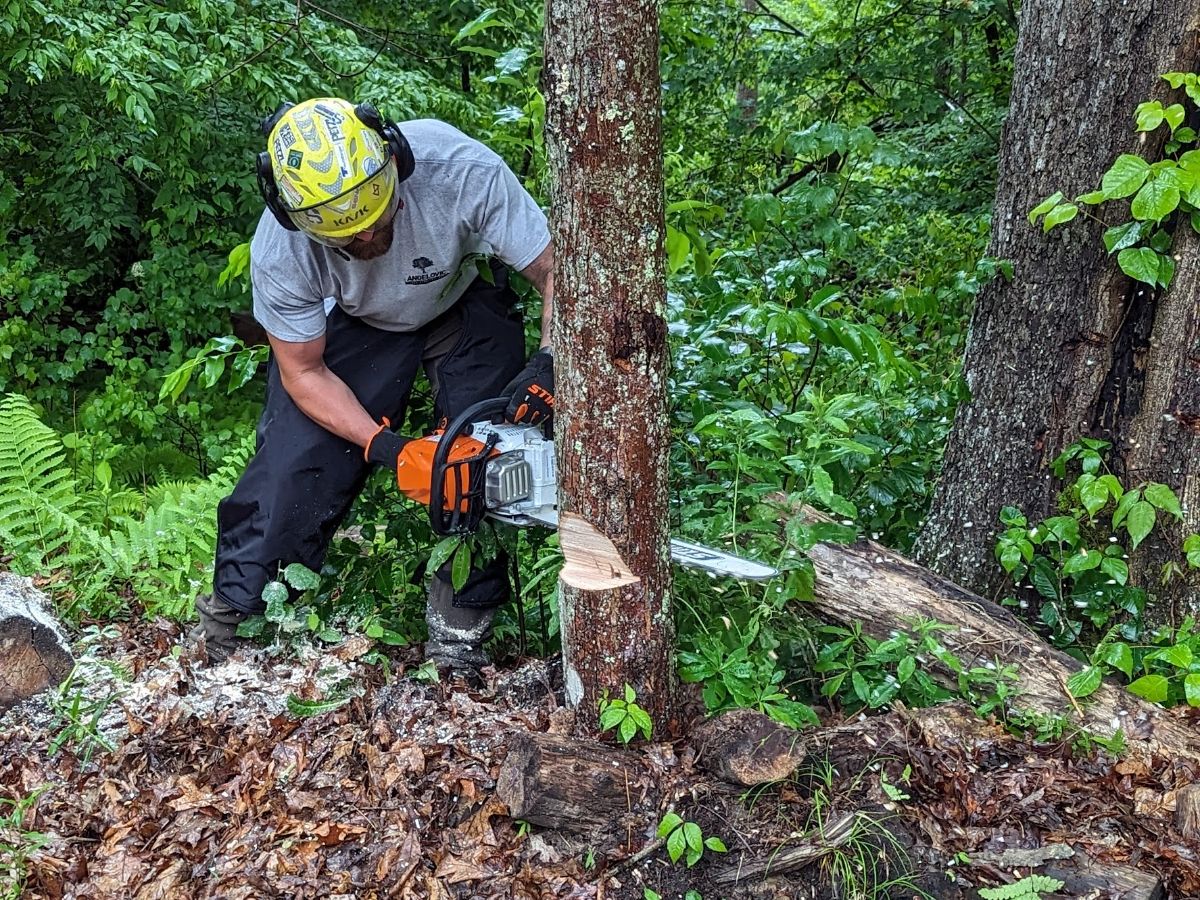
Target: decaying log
[865,582]
[1187,811]
[791,857]
[34,654]
[558,782]
[1085,877]
[745,747]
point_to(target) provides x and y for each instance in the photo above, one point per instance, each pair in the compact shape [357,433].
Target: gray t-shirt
[460,203]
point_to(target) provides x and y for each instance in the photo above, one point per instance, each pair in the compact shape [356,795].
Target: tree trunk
[1071,347]
[604,141]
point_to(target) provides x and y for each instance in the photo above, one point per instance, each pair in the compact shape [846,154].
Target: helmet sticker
[370,166]
[294,198]
[294,159]
[343,160]
[308,129]
[332,119]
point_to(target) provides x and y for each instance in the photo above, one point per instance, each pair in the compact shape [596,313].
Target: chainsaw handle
[456,520]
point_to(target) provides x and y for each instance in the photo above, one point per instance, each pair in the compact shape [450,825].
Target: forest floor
[220,782]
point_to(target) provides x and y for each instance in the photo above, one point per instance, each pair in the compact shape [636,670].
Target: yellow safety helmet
[331,169]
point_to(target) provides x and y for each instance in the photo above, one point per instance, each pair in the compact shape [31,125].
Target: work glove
[532,392]
[412,461]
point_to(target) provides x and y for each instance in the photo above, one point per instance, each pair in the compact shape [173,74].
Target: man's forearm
[326,399]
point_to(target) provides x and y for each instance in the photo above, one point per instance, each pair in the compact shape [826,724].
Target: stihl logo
[538,391]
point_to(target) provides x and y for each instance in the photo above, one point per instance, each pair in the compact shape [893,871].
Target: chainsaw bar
[685,553]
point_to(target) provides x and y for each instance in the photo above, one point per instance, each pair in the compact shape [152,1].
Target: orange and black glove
[532,392]
[412,460]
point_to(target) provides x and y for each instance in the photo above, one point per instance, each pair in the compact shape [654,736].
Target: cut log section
[865,582]
[745,747]
[574,785]
[33,648]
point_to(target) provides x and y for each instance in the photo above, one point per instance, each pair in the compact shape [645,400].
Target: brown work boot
[218,628]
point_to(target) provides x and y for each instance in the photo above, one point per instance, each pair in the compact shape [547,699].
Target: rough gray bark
[604,143]
[34,654]
[1071,347]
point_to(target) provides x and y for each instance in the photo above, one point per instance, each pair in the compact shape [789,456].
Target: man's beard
[377,246]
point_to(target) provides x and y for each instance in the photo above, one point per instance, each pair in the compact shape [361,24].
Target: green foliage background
[829,172]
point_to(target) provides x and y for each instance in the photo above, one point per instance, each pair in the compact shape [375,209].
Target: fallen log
[574,785]
[33,648]
[865,582]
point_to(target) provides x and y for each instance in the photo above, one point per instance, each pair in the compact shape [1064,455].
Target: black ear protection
[395,140]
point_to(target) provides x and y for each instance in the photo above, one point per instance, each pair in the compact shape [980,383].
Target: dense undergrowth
[828,179]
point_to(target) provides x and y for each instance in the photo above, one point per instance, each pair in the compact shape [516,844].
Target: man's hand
[532,392]
[412,461]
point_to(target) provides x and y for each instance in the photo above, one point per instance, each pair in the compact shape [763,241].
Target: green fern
[156,544]
[37,491]
[1029,888]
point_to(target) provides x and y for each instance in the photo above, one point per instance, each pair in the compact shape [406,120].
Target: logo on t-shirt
[423,263]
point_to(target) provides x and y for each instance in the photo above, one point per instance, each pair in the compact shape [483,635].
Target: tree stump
[34,653]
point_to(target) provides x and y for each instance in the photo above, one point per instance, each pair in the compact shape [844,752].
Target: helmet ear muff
[397,143]
[270,190]
[266,178]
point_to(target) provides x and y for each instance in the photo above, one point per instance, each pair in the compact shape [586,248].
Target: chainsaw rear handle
[462,513]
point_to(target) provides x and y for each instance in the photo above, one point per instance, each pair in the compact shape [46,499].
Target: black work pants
[300,483]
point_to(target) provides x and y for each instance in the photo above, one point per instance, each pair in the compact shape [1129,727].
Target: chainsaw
[513,479]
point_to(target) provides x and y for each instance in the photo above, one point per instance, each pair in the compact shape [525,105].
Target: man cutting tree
[365,267]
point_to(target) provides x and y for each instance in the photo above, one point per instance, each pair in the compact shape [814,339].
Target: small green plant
[17,843]
[625,716]
[1031,887]
[1158,189]
[1075,564]
[893,792]
[80,702]
[738,672]
[862,671]
[685,839]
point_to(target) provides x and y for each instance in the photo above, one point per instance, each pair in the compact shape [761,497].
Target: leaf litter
[215,788]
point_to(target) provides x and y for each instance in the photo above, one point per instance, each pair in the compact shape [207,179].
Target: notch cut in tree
[604,143]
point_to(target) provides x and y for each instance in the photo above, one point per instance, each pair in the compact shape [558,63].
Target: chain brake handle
[464,509]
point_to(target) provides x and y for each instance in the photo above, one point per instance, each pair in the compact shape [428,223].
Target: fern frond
[37,491]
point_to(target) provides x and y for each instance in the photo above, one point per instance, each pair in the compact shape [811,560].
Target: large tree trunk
[1070,346]
[604,141]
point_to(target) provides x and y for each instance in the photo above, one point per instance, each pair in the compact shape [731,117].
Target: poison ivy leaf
[1191,689]
[1125,176]
[1064,212]
[1174,115]
[1084,682]
[1140,264]
[1162,497]
[678,246]
[1150,687]
[1140,522]
[1091,198]
[1121,236]
[1149,115]
[1120,657]
[1155,201]
[1045,206]
[1093,494]
[1116,569]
